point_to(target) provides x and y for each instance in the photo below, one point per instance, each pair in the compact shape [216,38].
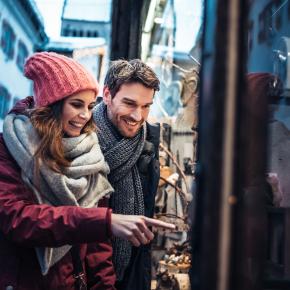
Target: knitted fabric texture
[122,155]
[56,76]
[83,183]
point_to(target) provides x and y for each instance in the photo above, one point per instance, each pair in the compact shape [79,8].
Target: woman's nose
[86,114]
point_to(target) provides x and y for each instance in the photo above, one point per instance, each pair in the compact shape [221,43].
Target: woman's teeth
[76,124]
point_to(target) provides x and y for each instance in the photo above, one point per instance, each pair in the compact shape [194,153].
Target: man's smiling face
[129,108]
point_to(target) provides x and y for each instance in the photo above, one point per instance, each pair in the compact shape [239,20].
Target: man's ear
[106,95]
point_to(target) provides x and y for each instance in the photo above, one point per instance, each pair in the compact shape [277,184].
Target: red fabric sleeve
[99,266]
[104,202]
[109,222]
[23,221]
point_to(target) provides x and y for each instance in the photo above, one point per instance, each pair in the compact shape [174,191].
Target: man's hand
[135,229]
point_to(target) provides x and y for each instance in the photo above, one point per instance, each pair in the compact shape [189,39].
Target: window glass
[4,101]
[269,77]
[171,43]
[175,37]
[7,40]
[21,55]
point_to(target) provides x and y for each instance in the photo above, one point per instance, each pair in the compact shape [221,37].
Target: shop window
[278,18]
[21,55]
[250,35]
[269,79]
[7,40]
[4,101]
[265,23]
[268,24]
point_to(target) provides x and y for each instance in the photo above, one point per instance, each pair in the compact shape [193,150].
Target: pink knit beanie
[56,77]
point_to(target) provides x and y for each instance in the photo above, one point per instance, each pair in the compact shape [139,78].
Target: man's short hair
[126,72]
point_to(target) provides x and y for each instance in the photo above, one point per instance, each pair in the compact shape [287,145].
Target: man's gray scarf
[122,155]
[83,183]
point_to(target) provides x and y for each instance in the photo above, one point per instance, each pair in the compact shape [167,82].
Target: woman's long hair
[48,124]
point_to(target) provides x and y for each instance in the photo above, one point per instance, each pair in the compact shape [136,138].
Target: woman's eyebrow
[79,100]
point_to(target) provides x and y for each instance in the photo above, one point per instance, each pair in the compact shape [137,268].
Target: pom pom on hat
[56,77]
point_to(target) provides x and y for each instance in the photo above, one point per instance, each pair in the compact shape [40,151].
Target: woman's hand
[135,229]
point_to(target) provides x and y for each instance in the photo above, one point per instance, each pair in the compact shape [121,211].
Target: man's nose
[136,114]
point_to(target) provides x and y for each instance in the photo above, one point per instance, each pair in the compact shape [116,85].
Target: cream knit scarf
[83,184]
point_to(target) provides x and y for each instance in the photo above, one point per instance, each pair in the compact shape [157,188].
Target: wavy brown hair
[48,124]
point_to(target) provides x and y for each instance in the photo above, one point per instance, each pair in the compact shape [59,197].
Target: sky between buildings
[51,11]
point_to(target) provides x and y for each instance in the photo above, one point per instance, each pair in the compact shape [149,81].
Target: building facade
[21,33]
[88,32]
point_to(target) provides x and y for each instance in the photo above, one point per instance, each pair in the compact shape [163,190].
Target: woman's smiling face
[77,111]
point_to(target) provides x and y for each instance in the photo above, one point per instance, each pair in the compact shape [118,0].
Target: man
[130,146]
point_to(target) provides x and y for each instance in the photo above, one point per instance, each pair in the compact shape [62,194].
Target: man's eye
[130,104]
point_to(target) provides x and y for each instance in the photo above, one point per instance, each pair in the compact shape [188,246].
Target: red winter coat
[24,224]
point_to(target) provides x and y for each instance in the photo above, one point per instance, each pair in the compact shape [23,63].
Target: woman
[53,175]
